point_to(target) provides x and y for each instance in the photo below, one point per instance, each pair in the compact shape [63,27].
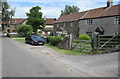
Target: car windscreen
[36,37]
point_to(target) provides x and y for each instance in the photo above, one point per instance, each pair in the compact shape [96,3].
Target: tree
[6,14]
[24,30]
[35,18]
[69,10]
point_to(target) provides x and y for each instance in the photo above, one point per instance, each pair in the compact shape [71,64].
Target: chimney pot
[109,3]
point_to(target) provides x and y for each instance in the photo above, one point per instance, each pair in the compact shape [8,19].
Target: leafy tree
[6,13]
[24,30]
[35,18]
[69,10]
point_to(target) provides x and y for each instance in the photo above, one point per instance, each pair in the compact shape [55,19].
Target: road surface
[21,60]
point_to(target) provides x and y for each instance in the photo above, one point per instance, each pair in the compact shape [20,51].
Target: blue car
[34,40]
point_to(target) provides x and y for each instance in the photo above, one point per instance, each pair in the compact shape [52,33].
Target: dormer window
[117,20]
[89,22]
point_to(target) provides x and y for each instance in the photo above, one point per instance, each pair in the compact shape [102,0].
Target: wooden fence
[106,42]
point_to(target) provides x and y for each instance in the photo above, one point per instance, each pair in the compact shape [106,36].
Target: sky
[52,8]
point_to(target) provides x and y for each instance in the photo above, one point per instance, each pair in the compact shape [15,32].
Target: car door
[29,39]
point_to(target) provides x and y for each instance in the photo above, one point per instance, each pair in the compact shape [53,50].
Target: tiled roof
[49,21]
[114,10]
[93,13]
[74,16]
[15,21]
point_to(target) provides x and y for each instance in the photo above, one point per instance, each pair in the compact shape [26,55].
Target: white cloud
[52,9]
[20,12]
[87,5]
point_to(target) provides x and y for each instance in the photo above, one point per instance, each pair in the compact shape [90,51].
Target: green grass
[20,40]
[67,52]
[16,37]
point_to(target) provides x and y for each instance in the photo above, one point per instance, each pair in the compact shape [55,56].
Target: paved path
[24,60]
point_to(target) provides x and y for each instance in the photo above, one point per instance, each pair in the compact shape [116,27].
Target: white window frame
[89,22]
[72,23]
[117,20]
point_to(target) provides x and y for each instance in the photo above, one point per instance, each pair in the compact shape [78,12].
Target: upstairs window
[89,22]
[117,20]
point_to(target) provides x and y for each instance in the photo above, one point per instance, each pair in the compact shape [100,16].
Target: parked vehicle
[33,39]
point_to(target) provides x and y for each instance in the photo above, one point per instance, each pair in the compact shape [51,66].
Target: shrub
[54,40]
[84,37]
[24,30]
[62,35]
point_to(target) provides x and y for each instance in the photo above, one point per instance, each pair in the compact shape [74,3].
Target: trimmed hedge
[84,37]
[54,40]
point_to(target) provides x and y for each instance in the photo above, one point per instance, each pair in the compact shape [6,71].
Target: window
[117,20]
[90,22]
[89,34]
[63,24]
[57,25]
[71,23]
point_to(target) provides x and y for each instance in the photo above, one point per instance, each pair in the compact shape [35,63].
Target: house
[104,20]
[48,26]
[14,23]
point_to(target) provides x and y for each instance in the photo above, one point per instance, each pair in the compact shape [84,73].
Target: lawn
[17,38]
[20,40]
[67,52]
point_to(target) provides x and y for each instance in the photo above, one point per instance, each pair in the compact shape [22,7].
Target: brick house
[105,20]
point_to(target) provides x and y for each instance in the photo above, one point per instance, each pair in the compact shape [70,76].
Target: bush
[24,30]
[54,40]
[84,37]
[62,35]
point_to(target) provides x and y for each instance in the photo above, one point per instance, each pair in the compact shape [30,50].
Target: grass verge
[67,52]
[20,40]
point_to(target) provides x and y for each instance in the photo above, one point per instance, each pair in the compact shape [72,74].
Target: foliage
[24,30]
[35,18]
[62,35]
[6,13]
[69,10]
[84,37]
[54,40]
[67,52]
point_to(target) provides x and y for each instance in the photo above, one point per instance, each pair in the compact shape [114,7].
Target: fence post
[70,41]
[94,42]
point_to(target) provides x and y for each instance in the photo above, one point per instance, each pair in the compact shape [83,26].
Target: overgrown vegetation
[24,30]
[54,40]
[67,52]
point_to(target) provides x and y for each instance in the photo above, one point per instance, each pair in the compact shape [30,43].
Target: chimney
[45,18]
[109,3]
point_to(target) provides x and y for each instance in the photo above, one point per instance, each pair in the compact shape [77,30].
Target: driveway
[24,60]
[105,65]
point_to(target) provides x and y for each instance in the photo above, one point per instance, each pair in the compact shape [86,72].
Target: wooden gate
[106,42]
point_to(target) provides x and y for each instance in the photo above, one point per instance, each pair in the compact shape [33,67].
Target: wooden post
[70,41]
